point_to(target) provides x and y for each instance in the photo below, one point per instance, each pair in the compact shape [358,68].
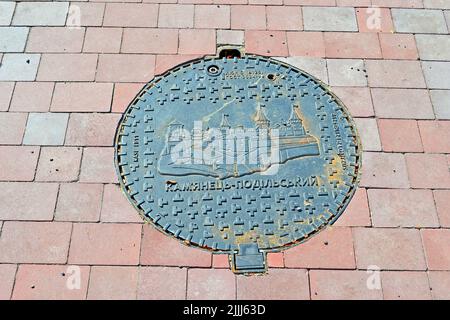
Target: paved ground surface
[64,223]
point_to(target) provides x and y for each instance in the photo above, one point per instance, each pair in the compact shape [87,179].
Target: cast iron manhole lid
[242,156]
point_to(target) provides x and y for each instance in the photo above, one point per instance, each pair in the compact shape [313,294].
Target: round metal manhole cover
[241,156]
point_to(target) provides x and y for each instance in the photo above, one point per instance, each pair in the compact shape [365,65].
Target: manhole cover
[238,155]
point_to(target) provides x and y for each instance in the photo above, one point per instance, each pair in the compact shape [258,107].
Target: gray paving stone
[13,39]
[447,17]
[441,103]
[40,13]
[347,72]
[329,19]
[46,129]
[436,4]
[316,67]
[437,74]
[419,21]
[235,37]
[19,67]
[6,12]
[433,47]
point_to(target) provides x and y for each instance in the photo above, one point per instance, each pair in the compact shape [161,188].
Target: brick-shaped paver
[342,284]
[34,242]
[419,21]
[266,43]
[92,129]
[41,93]
[7,275]
[357,100]
[124,94]
[79,202]
[436,4]
[211,284]
[439,284]
[221,261]
[55,39]
[284,18]
[447,17]
[395,74]
[428,170]
[130,15]
[405,285]
[67,67]
[113,283]
[443,206]
[316,67]
[352,45]
[372,19]
[401,249]
[105,244]
[51,282]
[384,170]
[398,3]
[400,135]
[18,163]
[347,72]
[46,128]
[85,14]
[435,242]
[19,67]
[198,41]
[275,259]
[357,212]
[82,97]
[209,16]
[441,103]
[12,127]
[6,12]
[116,207]
[329,19]
[398,46]
[168,61]
[248,17]
[41,13]
[6,92]
[59,164]
[230,37]
[102,40]
[27,201]
[162,283]
[433,47]
[435,136]
[125,68]
[176,16]
[13,39]
[437,74]
[138,40]
[309,44]
[402,208]
[97,165]
[158,249]
[368,133]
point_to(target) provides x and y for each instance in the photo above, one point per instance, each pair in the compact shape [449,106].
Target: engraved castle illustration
[240,151]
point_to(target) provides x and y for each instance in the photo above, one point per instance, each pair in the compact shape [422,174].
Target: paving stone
[275,259]
[50,282]
[310,2]
[398,46]
[12,127]
[433,47]
[368,133]
[435,242]
[248,17]
[395,74]
[402,208]
[67,67]
[6,92]
[85,14]
[436,4]
[316,67]
[400,135]
[304,44]
[447,17]
[347,72]
[113,283]
[18,163]
[428,171]
[199,41]
[124,94]
[46,128]
[125,68]
[439,284]
[356,99]
[82,97]
[130,15]
[92,129]
[103,40]
[398,3]
[419,21]
[7,274]
[34,242]
[401,249]
[176,16]
[372,19]
[435,136]
[221,261]
[19,67]
[384,170]
[342,285]
[59,164]
[276,285]
[211,284]
[166,62]
[55,39]
[105,244]
[402,103]
[405,285]
[138,40]
[352,45]
[156,246]
[27,201]
[441,103]
[13,39]
[442,206]
[157,283]
[214,16]
[41,13]
[329,19]
[357,212]
[6,12]
[352,3]
[41,93]
[266,43]
[284,18]
[116,207]
[97,165]
[79,202]
[231,37]
[437,74]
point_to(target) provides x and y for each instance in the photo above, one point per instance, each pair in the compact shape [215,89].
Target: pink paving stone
[368,133]
[435,242]
[281,284]
[41,93]
[395,74]
[284,18]
[405,285]
[27,201]
[176,16]
[157,283]
[82,97]
[116,207]
[248,17]
[439,284]
[166,62]
[384,170]
[275,259]
[215,16]
[221,261]
[138,40]
[79,202]
[92,129]
[352,3]
[59,164]
[98,166]
[325,3]
[6,92]
[428,171]
[341,285]
[18,163]
[105,243]
[357,212]
[435,136]
[356,99]
[125,68]
[50,282]
[124,94]
[398,46]
[67,67]
[113,283]
[102,40]
[389,249]
[55,39]
[352,45]
[34,242]
[332,248]
[402,208]
[367,20]
[130,15]
[91,13]
[199,41]
[441,199]
[267,43]
[7,276]
[310,44]
[398,3]
[400,135]
[211,284]
[159,249]
[12,127]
